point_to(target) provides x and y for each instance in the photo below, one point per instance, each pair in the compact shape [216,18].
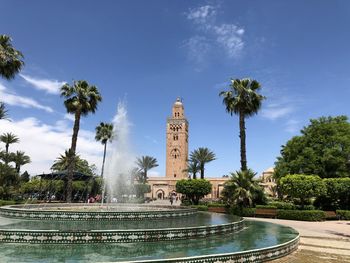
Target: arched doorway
[160,194]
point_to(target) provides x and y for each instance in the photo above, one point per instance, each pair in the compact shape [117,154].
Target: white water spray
[120,159]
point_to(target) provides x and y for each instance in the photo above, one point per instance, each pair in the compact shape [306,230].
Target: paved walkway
[327,241]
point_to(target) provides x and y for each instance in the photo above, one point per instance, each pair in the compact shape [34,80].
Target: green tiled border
[250,256]
[34,212]
[114,236]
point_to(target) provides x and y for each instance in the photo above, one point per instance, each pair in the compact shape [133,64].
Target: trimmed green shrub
[283,205]
[200,207]
[343,214]
[266,206]
[302,215]
[239,211]
[7,202]
[216,205]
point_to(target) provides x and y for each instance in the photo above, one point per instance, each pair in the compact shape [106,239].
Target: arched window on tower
[175,153]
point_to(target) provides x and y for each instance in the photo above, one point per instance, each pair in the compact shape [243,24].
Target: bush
[343,214]
[216,205]
[303,215]
[194,189]
[200,207]
[306,207]
[7,202]
[283,205]
[266,206]
[239,211]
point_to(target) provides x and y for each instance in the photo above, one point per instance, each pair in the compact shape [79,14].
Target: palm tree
[104,133]
[3,112]
[202,156]
[145,163]
[242,99]
[20,159]
[243,187]
[11,60]
[8,138]
[81,99]
[192,168]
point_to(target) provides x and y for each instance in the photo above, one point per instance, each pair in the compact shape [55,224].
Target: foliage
[104,133]
[200,207]
[7,202]
[20,158]
[3,111]
[242,190]
[201,156]
[323,148]
[337,195]
[145,163]
[81,165]
[266,206]
[141,189]
[81,99]
[8,180]
[244,100]
[343,214]
[8,138]
[303,187]
[302,215]
[11,60]
[283,205]
[193,189]
[192,168]
[242,211]
[216,205]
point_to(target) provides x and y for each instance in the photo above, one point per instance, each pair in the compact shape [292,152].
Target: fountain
[134,233]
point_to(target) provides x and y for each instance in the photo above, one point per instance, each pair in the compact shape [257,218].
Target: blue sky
[150,52]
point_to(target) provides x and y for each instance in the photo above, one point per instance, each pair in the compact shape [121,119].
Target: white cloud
[16,100]
[202,14]
[229,36]
[50,86]
[69,117]
[154,174]
[44,143]
[210,34]
[276,111]
[197,48]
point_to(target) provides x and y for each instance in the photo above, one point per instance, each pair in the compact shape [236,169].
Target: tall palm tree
[244,100]
[3,112]
[20,158]
[11,60]
[104,133]
[8,138]
[146,163]
[192,168]
[202,156]
[81,99]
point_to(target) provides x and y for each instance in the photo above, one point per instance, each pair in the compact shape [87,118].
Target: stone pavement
[327,241]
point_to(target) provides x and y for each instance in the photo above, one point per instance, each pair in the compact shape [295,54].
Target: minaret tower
[177,143]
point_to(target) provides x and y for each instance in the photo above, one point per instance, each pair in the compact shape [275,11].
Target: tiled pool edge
[250,256]
[115,236]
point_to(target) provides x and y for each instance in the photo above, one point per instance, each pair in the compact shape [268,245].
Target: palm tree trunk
[202,171]
[7,147]
[194,176]
[103,161]
[242,137]
[71,164]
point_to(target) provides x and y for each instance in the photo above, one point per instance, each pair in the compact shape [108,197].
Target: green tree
[8,138]
[192,168]
[242,190]
[3,112]
[141,189]
[11,60]
[8,180]
[145,163]
[81,99]
[104,133]
[323,148]
[244,100]
[201,156]
[20,158]
[193,189]
[303,187]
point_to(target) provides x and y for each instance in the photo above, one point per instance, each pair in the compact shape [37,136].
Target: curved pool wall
[55,212]
[257,242]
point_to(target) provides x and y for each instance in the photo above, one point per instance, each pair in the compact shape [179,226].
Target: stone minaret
[176,143]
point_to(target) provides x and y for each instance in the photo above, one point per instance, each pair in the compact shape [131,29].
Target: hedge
[216,205]
[283,205]
[302,215]
[249,212]
[200,207]
[343,214]
[266,206]
[7,202]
